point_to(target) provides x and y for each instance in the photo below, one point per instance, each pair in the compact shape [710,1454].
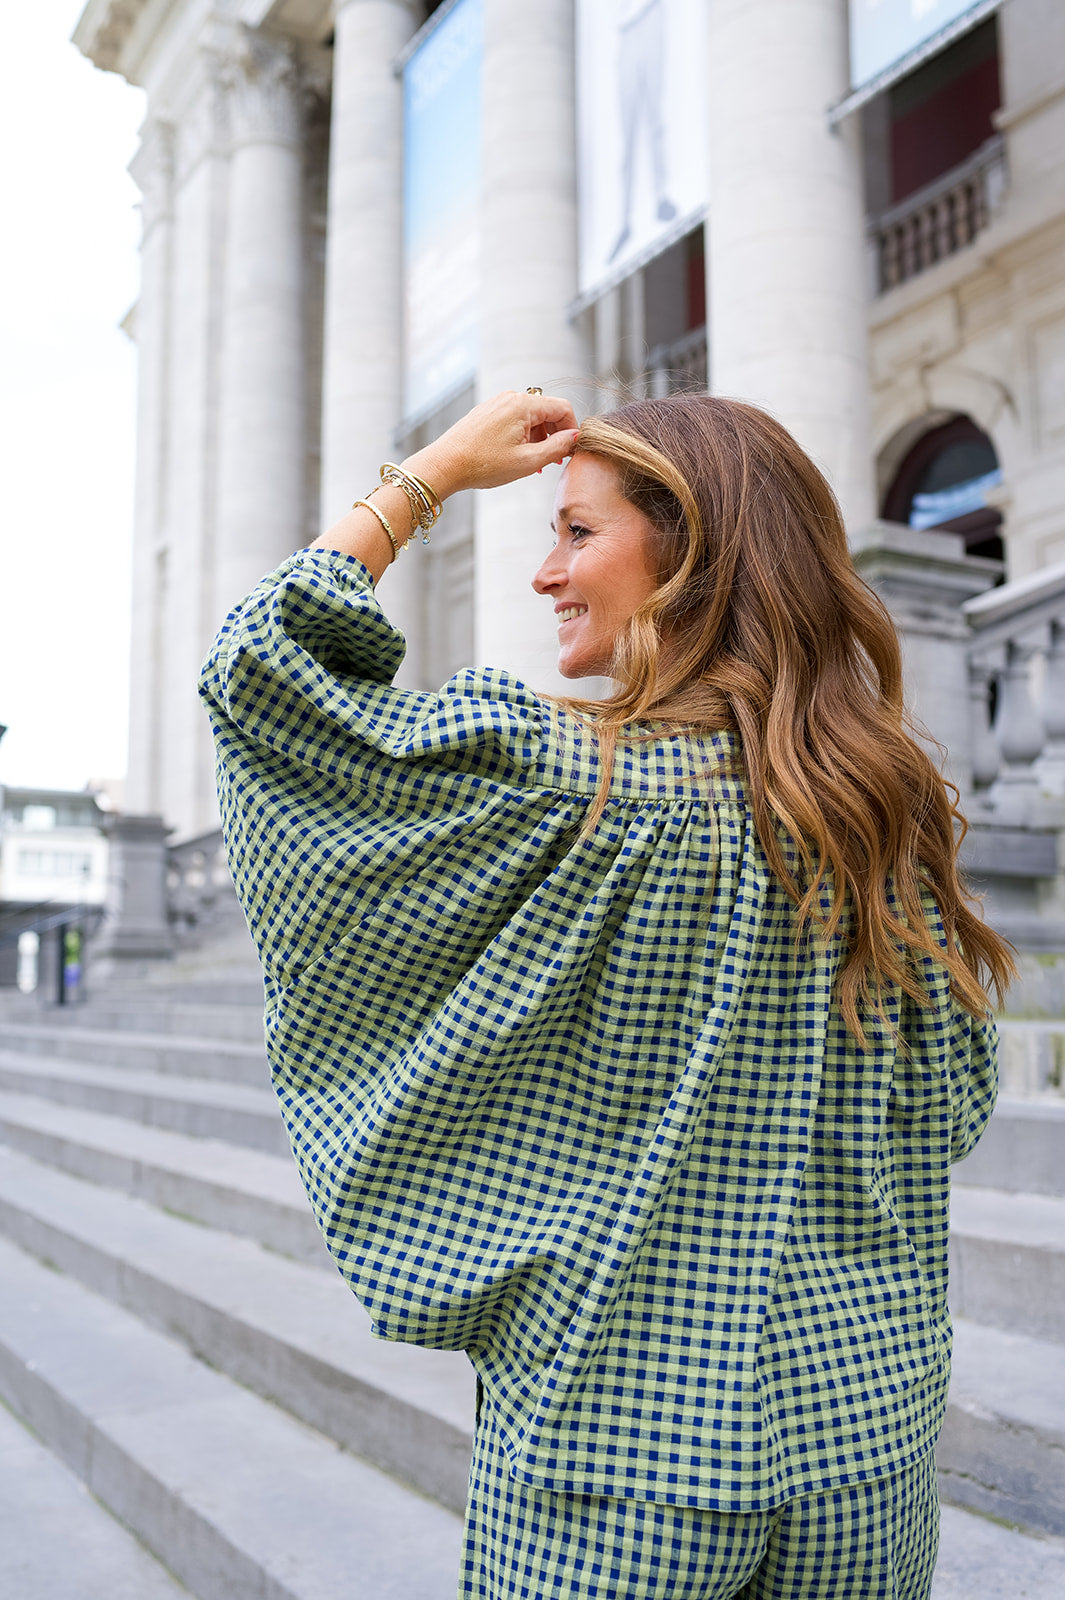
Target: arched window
[944,483]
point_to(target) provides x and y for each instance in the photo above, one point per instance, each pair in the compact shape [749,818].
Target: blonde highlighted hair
[761,624]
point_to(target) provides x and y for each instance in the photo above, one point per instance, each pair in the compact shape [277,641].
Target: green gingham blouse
[584,1107]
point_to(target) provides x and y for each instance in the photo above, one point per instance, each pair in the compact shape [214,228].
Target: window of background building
[944,482]
[38,817]
[54,863]
[944,111]
[674,295]
[934,167]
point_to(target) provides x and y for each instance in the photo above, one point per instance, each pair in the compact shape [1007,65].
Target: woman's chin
[576,667]
[572,667]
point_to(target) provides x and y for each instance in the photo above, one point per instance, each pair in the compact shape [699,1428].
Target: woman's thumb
[554,449]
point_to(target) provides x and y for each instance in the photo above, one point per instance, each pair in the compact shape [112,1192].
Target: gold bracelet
[431,495]
[414,500]
[423,512]
[425,504]
[383,520]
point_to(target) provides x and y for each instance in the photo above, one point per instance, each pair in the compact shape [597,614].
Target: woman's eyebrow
[566,513]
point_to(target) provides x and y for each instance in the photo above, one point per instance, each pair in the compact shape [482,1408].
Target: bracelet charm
[424,502]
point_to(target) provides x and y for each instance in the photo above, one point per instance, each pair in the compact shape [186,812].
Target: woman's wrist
[436,470]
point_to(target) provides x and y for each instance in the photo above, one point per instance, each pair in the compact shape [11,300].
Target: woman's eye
[577,532]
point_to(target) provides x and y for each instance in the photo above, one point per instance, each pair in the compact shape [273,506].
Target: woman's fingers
[552,451]
[502,439]
[550,412]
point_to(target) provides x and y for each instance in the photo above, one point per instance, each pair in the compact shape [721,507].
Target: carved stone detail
[262,78]
[200,123]
[152,170]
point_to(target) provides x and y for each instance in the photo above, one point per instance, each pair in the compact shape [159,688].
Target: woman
[626,1044]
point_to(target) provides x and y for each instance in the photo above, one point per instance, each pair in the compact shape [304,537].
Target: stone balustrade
[200,896]
[939,219]
[1016,662]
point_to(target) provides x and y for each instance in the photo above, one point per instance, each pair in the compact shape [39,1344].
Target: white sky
[68,275]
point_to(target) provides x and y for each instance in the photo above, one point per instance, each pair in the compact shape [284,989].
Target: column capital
[261,77]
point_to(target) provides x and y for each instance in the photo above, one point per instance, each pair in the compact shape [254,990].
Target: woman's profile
[626,1044]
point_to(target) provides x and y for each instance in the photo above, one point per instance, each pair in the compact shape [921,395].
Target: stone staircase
[1002,1450]
[172,1330]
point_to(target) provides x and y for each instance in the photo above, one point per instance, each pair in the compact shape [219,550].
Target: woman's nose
[549,576]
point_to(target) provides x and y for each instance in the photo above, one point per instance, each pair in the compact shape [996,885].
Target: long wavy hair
[761,624]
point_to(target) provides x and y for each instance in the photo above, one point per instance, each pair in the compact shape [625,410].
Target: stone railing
[199,890]
[678,368]
[1016,663]
[970,648]
[939,219]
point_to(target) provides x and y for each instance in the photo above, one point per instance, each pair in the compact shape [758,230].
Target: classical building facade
[876,253]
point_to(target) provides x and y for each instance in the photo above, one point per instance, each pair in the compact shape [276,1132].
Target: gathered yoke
[585,1107]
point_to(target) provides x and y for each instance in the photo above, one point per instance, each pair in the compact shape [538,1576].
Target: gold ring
[533,389]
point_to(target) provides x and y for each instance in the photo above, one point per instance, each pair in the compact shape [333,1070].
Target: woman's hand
[505,438]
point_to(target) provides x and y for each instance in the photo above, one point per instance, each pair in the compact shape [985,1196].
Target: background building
[52,851]
[53,874]
[359,217]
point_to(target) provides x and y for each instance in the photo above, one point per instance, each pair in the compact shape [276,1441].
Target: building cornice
[104,29]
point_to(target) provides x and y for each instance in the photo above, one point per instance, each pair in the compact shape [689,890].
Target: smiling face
[601,569]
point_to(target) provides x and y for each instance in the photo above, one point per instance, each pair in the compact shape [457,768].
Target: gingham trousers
[875,1540]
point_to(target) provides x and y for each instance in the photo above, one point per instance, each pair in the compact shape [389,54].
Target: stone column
[361,379]
[786,269]
[261,433]
[186,550]
[528,277]
[152,169]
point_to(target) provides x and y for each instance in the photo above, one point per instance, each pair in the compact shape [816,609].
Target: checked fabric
[584,1107]
[876,1540]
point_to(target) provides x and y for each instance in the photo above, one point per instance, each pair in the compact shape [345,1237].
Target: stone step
[1031,1057]
[242,1191]
[981,1560]
[1003,1441]
[1007,1261]
[293,1334]
[230,1060]
[289,1331]
[96,1558]
[141,1013]
[1023,1148]
[239,1500]
[238,1113]
[174,981]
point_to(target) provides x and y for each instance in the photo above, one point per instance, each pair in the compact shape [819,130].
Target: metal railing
[940,219]
[43,917]
[677,368]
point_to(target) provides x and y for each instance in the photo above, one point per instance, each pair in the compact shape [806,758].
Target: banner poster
[883,31]
[641,130]
[441,196]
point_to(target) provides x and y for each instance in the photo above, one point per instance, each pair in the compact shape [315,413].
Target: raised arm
[505,438]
